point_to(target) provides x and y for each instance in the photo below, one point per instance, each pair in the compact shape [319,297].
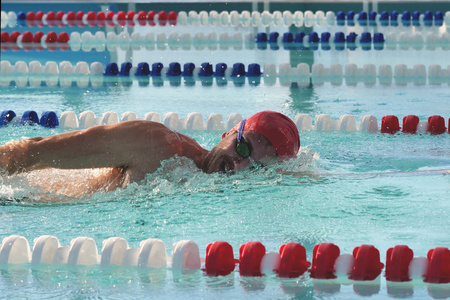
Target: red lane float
[436,125]
[324,259]
[130,18]
[109,18]
[397,263]
[121,18]
[151,18]
[38,19]
[51,41]
[101,18]
[4,40]
[59,18]
[28,41]
[438,270]
[293,261]
[79,19]
[219,260]
[172,17]
[367,264]
[63,41]
[389,124]
[13,40]
[71,19]
[250,257]
[162,18]
[37,40]
[410,124]
[142,18]
[31,16]
[51,19]
[91,18]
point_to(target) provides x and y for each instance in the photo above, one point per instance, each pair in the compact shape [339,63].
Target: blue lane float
[221,68]
[188,69]
[29,117]
[48,119]
[111,69]
[174,70]
[6,117]
[143,69]
[206,70]
[312,41]
[156,69]
[125,69]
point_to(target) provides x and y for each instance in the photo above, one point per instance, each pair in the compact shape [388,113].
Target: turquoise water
[345,188]
[361,189]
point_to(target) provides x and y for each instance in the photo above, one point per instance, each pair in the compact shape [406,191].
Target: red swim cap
[281,132]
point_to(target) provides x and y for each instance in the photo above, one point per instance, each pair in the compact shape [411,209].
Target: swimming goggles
[243,148]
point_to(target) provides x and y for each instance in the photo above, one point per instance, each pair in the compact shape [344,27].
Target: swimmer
[130,150]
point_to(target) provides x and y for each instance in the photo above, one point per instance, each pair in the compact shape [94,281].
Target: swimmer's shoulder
[143,126]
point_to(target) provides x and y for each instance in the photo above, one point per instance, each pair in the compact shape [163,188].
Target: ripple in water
[176,176]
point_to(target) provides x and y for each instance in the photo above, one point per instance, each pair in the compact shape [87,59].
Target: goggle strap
[241,129]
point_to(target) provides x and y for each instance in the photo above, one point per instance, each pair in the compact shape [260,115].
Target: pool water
[359,188]
[346,188]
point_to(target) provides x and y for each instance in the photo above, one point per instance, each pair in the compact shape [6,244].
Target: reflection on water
[303,99]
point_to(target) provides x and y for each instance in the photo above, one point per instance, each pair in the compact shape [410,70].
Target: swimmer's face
[224,157]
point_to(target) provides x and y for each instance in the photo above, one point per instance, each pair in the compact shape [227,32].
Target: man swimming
[132,149]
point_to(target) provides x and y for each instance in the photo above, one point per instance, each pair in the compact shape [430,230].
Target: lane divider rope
[225,18]
[82,75]
[339,41]
[215,122]
[290,261]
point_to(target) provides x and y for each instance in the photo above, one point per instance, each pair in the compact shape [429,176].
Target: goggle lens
[243,149]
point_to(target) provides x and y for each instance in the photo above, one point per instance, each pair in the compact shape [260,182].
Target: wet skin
[128,151]
[224,158]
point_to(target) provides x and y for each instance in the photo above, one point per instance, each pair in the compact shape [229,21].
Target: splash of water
[177,175]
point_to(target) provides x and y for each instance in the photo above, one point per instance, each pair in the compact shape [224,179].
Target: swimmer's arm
[125,144]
